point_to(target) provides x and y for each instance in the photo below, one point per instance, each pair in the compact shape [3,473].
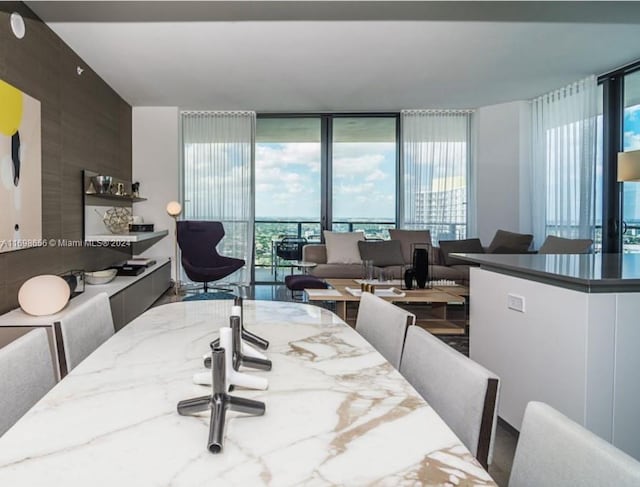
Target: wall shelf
[107,196]
[132,237]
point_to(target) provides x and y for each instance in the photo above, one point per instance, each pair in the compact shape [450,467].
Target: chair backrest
[461,391]
[554,450]
[26,374]
[290,248]
[198,241]
[82,330]
[559,245]
[384,326]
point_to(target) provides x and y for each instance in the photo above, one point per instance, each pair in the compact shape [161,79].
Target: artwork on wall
[20,170]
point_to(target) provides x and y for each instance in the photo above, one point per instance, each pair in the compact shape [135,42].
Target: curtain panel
[218,178]
[563,161]
[434,172]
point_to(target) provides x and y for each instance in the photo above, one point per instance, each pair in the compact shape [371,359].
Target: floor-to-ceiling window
[621,132]
[364,166]
[287,185]
[325,171]
[631,142]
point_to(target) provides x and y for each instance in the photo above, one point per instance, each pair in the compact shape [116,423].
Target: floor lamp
[174,209]
[629,166]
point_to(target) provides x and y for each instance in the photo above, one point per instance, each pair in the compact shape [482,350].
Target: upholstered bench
[300,282]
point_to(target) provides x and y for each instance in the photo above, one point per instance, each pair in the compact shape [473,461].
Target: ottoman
[300,282]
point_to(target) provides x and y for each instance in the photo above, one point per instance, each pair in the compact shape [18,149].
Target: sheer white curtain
[563,161]
[435,161]
[218,178]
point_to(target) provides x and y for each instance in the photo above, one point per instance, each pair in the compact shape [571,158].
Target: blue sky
[288,180]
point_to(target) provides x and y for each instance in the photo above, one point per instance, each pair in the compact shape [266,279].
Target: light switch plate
[515,302]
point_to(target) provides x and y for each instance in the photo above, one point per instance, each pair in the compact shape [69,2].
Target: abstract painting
[20,170]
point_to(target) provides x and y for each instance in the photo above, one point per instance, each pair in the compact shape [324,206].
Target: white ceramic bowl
[100,277]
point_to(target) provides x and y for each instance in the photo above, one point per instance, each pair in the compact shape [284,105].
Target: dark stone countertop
[591,273]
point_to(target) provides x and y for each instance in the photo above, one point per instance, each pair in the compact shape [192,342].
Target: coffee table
[438,297]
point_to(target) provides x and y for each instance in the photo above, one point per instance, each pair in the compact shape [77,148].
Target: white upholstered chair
[554,450]
[462,392]
[26,374]
[82,330]
[384,326]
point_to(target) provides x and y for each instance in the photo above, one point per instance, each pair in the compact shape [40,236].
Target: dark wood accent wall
[85,125]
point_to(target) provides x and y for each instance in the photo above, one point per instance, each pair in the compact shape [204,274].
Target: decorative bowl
[100,277]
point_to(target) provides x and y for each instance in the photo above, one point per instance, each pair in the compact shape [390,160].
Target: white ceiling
[431,55]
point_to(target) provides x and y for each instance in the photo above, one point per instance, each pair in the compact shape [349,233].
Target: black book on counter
[130,270]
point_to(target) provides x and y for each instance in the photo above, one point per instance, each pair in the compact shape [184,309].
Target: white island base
[577,351]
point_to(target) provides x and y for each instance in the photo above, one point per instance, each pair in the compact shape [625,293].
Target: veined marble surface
[336,412]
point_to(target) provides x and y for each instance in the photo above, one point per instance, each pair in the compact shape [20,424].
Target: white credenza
[130,296]
[572,349]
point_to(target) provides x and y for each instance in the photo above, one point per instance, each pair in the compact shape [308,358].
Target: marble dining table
[337,413]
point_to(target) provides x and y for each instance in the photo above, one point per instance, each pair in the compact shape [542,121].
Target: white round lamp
[174,208]
[44,295]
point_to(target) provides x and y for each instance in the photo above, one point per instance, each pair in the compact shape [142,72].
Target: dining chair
[26,374]
[82,330]
[554,450]
[461,391]
[383,325]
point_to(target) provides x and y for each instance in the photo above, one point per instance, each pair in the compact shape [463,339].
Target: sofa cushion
[342,247]
[510,243]
[468,246]
[409,237]
[384,253]
[559,245]
[338,271]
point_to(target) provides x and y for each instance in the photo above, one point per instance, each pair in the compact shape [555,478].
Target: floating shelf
[132,237]
[108,196]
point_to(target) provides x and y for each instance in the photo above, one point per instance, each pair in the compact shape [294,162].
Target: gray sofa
[442,265]
[317,253]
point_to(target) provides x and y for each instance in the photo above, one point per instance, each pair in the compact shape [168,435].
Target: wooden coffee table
[437,297]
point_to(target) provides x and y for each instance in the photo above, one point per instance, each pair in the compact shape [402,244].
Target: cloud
[632,114]
[354,189]
[631,141]
[295,154]
[357,166]
[376,175]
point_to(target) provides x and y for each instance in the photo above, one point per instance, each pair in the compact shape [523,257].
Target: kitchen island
[565,330]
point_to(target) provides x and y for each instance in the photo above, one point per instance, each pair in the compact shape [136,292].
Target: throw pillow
[342,247]
[408,238]
[383,254]
[468,246]
[510,243]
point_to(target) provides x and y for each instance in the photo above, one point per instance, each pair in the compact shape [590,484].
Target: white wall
[156,162]
[500,139]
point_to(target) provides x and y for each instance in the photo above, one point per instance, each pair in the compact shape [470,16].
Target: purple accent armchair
[200,259]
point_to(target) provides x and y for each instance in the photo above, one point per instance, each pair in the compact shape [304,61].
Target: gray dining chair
[461,391]
[384,326]
[554,450]
[82,330]
[26,374]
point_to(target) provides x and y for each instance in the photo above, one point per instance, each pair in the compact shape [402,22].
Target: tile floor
[506,436]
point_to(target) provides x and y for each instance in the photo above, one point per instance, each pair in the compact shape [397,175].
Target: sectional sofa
[395,254]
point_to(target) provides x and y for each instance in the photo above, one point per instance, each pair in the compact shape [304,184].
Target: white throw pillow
[342,247]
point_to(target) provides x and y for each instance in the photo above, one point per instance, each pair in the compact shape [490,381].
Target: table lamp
[174,209]
[629,166]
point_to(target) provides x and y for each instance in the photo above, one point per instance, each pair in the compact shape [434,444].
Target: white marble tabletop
[336,412]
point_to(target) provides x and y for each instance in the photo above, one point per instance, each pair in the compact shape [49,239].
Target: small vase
[421,267]
[409,276]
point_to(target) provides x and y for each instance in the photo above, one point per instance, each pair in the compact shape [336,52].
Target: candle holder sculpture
[219,401]
[236,310]
[233,377]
